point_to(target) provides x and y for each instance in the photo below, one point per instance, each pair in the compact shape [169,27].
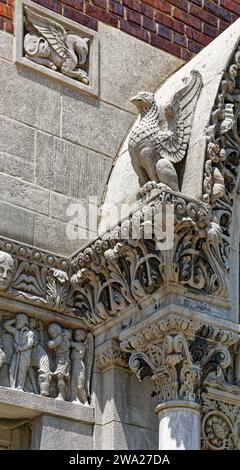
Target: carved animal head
[81,48]
[143,99]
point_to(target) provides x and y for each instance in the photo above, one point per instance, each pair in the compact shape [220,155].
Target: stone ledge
[19,405]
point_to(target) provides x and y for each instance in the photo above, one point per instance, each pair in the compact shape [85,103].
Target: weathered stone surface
[6,45]
[70,169]
[123,194]
[52,433]
[22,88]
[120,436]
[94,124]
[16,223]
[24,194]
[27,405]
[121,78]
[50,234]
[18,167]
[16,138]
[128,403]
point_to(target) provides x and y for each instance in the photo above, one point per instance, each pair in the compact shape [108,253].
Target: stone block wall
[180,27]
[58,145]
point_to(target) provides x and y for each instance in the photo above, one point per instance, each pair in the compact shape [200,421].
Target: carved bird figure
[48,43]
[160,138]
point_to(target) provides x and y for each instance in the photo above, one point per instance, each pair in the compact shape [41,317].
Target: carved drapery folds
[168,351]
[45,359]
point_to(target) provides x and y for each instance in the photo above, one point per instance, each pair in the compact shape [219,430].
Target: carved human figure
[39,359]
[48,43]
[78,376]
[59,344]
[23,341]
[6,270]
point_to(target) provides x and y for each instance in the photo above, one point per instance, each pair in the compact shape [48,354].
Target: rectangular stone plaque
[57,47]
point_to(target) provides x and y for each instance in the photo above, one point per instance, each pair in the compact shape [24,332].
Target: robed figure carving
[82,362]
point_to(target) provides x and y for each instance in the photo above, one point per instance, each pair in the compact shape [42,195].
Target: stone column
[178,363]
[179,425]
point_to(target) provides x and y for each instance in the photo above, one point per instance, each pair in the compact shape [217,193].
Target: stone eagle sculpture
[47,43]
[160,138]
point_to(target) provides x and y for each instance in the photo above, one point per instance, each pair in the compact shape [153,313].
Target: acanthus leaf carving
[177,358]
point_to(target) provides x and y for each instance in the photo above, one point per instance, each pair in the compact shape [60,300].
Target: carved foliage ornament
[46,359]
[223,150]
[115,273]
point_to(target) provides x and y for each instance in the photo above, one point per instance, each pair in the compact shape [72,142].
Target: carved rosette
[220,425]
[168,352]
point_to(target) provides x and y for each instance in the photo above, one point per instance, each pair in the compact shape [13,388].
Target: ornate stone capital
[112,357]
[168,352]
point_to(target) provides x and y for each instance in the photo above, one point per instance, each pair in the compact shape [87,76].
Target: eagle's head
[143,100]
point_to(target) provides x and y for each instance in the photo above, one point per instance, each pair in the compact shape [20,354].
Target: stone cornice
[119,271]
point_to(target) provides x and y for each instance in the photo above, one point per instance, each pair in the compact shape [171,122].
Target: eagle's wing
[53,32]
[179,116]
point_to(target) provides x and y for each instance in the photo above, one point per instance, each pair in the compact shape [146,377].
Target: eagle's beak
[138,101]
[136,98]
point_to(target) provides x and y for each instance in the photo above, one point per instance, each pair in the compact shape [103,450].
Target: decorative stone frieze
[222,158]
[33,276]
[121,269]
[57,47]
[45,358]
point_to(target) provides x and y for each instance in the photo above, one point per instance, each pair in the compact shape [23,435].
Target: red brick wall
[180,27]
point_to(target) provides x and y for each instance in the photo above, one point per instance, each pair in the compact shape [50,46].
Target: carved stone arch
[235,258]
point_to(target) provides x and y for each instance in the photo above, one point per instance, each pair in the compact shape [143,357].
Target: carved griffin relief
[47,43]
[160,139]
